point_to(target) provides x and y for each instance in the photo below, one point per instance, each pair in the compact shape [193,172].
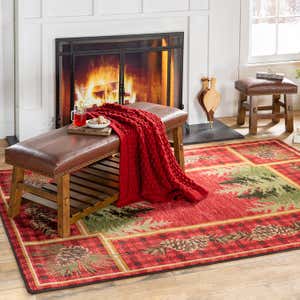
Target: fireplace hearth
[118,69]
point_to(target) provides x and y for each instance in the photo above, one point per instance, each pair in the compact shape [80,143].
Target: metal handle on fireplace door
[122,90]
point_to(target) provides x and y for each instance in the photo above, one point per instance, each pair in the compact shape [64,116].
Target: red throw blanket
[148,168]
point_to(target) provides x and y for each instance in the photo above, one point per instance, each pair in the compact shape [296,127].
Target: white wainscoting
[67,8]
[211,46]
[224,51]
[198,54]
[32,8]
[7,105]
[2,103]
[166,5]
[117,7]
[199,4]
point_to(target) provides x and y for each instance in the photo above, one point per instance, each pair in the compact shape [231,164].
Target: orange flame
[102,86]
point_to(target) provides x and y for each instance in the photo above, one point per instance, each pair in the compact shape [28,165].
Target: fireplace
[118,69]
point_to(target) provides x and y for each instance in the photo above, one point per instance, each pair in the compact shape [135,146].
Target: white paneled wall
[2,103]
[198,53]
[117,7]
[199,4]
[166,5]
[67,8]
[32,9]
[30,77]
[39,22]
[224,51]
[7,105]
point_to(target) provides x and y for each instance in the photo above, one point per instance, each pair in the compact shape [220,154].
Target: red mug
[78,118]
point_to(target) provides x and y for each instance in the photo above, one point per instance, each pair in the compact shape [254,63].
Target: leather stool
[251,87]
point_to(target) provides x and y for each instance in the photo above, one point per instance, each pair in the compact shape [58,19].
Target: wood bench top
[57,152]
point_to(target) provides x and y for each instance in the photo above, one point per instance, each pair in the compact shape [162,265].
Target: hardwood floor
[275,276]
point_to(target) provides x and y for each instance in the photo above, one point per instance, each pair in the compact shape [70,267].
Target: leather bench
[84,168]
[252,87]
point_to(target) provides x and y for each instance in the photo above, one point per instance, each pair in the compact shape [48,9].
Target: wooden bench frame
[61,195]
[275,115]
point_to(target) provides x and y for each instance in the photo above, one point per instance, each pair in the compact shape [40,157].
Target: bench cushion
[253,86]
[57,152]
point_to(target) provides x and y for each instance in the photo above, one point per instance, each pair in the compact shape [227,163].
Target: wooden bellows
[209,98]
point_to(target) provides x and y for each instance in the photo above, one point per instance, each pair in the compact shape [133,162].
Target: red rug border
[72,286]
[202,146]
[264,251]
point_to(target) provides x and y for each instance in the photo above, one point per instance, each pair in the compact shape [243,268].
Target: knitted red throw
[148,168]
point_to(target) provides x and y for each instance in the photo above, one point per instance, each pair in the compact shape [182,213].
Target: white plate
[97,126]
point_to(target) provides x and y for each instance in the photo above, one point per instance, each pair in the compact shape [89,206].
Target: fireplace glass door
[123,69]
[145,77]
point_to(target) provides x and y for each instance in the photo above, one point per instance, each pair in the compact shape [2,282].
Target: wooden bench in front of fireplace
[85,169]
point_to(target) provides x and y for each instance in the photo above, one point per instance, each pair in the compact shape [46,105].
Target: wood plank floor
[275,276]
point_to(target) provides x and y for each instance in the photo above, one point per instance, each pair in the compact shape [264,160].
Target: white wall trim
[245,32]
[7,102]
[103,17]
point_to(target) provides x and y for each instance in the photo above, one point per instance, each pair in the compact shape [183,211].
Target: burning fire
[102,86]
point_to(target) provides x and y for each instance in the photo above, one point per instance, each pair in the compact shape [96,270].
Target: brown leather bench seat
[85,168]
[57,152]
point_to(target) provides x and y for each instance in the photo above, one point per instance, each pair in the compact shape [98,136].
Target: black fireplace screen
[118,69]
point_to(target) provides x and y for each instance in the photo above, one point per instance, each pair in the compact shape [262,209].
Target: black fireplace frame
[71,42]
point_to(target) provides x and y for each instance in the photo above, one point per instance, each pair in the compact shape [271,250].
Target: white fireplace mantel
[39,22]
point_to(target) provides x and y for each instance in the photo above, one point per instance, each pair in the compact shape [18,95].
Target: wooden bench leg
[178,146]
[16,192]
[289,114]
[63,205]
[241,109]
[253,116]
[276,108]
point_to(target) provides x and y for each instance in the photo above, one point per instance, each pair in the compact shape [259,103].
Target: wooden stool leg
[276,108]
[16,192]
[289,114]
[178,146]
[241,109]
[63,205]
[253,116]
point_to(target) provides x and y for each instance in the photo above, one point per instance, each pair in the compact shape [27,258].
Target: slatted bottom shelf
[91,188]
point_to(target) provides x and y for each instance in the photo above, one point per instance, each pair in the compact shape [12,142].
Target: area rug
[253,208]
